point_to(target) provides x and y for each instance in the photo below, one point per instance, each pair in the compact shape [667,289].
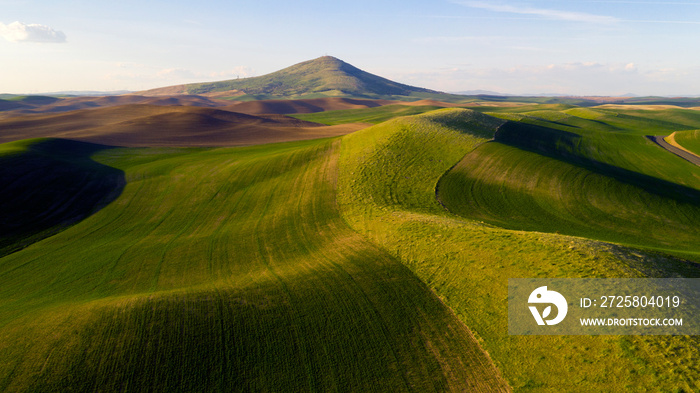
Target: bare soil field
[139,125]
[312,105]
[54,105]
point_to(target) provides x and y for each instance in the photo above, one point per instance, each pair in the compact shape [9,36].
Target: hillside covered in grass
[388,194]
[222,270]
[689,140]
[375,261]
[617,187]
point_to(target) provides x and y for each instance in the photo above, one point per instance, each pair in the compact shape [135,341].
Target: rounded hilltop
[326,76]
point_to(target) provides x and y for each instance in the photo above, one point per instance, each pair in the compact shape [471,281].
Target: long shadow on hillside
[563,146]
[50,186]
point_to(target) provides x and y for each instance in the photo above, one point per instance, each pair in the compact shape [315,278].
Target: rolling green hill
[387,180]
[606,185]
[376,261]
[222,270]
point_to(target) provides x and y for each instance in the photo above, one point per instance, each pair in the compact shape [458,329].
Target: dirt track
[659,140]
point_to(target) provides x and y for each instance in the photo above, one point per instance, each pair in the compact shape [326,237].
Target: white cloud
[543,12]
[20,32]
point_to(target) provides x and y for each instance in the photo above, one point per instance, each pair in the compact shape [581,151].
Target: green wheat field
[375,261]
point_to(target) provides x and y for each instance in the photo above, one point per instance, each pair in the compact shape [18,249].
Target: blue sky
[584,47]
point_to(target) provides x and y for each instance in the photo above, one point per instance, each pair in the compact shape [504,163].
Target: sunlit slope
[600,185]
[48,185]
[165,125]
[387,192]
[430,142]
[689,140]
[225,270]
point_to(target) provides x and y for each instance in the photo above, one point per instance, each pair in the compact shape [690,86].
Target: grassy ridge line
[467,263]
[414,133]
[686,140]
[225,269]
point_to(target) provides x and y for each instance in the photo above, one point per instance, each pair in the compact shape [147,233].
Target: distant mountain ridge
[325,76]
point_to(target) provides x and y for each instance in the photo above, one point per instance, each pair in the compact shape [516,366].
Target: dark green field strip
[467,263]
[226,269]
